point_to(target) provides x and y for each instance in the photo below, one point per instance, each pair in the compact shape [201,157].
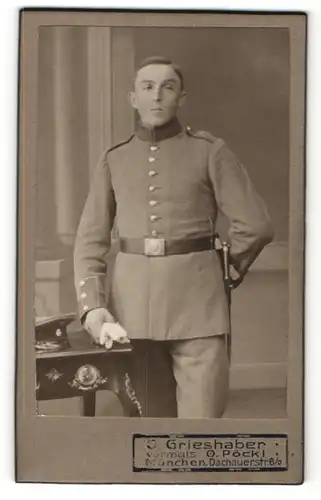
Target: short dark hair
[161,60]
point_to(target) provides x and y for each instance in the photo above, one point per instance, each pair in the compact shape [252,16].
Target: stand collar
[153,135]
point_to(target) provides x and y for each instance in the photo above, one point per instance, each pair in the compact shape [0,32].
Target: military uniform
[166,186]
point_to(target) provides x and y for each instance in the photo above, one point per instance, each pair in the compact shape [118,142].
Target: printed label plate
[210,452]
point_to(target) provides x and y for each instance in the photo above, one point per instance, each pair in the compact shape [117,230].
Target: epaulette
[201,134]
[120,144]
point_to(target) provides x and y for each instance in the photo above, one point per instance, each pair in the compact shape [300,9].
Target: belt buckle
[154,246]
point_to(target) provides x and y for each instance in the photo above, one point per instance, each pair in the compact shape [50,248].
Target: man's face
[157,94]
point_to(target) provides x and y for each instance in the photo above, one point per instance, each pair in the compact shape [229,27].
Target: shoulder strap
[201,134]
[120,144]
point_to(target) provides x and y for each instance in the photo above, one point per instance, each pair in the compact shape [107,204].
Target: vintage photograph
[145,138]
[163,220]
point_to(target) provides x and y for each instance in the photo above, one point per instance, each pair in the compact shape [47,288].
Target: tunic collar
[152,135]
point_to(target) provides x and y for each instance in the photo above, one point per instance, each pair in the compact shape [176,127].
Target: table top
[78,342]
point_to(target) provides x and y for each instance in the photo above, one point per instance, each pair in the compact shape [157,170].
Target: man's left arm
[250,227]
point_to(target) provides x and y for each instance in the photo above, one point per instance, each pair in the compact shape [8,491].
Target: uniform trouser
[191,374]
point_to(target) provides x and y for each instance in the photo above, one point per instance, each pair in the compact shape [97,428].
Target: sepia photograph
[166,236]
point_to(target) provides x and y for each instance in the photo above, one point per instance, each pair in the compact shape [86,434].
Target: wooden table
[74,366]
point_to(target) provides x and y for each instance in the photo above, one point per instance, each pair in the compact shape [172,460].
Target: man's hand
[103,328]
[236,278]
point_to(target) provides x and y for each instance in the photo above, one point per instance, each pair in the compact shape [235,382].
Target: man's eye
[168,86]
[148,86]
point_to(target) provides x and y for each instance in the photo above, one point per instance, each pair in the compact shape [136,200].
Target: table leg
[128,399]
[89,404]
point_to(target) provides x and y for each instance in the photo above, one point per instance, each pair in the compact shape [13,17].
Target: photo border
[73,449]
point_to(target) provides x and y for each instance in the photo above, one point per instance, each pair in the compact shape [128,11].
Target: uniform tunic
[168,183]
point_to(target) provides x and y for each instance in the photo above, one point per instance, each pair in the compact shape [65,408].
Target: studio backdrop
[237,82]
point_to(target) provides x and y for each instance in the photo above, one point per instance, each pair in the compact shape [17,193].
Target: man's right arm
[93,241]
[250,224]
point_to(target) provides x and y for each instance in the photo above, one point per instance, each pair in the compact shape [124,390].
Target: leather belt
[155,247]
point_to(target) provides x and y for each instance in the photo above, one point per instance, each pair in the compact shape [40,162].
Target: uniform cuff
[91,294]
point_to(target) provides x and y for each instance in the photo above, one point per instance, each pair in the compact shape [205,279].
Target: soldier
[166,183]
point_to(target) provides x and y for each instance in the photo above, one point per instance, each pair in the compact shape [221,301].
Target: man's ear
[182,99]
[132,99]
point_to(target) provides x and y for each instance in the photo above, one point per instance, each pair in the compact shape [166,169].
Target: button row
[152,203]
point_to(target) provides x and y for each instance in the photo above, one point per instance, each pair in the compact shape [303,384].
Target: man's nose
[158,94]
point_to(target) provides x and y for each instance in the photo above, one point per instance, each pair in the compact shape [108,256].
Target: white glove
[103,328]
[112,332]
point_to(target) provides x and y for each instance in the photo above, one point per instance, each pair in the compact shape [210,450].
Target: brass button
[82,283]
[151,159]
[86,308]
[152,188]
[153,218]
[153,203]
[154,148]
[151,173]
[83,295]
[154,233]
